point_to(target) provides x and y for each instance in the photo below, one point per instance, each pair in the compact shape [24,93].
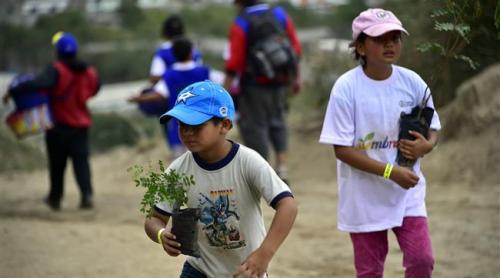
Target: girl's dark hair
[361,39]
[182,48]
[173,26]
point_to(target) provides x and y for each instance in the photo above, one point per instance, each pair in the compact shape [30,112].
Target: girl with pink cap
[362,123]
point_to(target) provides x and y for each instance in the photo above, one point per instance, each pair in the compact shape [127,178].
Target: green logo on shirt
[367,143]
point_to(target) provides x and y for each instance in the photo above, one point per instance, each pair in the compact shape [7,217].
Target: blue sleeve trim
[281,15]
[280,196]
[162,212]
[197,57]
[278,12]
[242,23]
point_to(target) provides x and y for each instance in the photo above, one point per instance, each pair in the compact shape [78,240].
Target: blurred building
[318,3]
[26,12]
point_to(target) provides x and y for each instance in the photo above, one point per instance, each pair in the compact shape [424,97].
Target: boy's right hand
[5,98]
[404,177]
[133,99]
[169,244]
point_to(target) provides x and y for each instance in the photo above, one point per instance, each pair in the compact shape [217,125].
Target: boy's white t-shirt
[364,113]
[229,193]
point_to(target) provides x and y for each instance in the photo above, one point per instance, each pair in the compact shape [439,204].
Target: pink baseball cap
[375,22]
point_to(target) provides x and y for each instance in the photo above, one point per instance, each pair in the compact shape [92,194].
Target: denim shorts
[190,272]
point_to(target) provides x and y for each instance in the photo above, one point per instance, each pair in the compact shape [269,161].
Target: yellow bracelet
[388,170]
[158,235]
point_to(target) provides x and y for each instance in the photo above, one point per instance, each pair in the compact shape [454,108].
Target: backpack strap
[255,18]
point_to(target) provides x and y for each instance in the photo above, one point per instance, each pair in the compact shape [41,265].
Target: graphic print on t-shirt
[220,220]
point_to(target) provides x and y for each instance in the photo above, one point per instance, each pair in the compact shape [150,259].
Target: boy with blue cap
[230,180]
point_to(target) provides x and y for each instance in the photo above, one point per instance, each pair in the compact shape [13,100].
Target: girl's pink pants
[370,250]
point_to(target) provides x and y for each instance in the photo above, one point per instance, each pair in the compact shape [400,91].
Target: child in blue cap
[70,83]
[230,181]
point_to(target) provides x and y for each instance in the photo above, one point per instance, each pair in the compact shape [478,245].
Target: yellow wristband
[388,170]
[158,235]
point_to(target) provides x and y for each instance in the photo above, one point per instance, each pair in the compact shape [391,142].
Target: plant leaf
[438,13]
[161,186]
[444,26]
[473,65]
[463,30]
[431,46]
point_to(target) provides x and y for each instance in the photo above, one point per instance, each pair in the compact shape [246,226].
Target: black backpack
[270,53]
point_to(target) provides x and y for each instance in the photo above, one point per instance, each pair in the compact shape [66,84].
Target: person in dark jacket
[70,83]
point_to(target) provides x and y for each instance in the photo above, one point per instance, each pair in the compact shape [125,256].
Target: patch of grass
[111,130]
[19,155]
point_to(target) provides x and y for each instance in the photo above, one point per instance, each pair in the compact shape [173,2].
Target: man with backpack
[263,53]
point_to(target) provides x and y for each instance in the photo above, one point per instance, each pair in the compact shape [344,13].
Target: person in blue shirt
[164,57]
[181,74]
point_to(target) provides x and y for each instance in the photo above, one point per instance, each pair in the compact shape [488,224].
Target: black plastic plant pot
[407,124]
[185,229]
[418,120]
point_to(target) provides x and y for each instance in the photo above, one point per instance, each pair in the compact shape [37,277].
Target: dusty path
[110,242]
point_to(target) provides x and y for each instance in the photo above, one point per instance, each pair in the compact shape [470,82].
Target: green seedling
[161,186]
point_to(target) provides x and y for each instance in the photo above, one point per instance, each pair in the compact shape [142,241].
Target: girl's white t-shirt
[364,113]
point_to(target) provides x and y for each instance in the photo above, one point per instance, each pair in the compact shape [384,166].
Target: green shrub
[19,155]
[111,130]
[321,69]
[121,65]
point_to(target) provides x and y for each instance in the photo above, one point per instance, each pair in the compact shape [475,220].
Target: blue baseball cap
[65,43]
[200,102]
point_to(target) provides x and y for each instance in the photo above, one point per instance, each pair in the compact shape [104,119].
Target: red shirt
[69,97]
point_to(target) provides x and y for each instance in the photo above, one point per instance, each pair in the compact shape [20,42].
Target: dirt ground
[110,242]
[463,201]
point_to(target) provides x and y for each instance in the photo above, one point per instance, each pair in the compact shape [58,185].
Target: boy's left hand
[414,149]
[255,266]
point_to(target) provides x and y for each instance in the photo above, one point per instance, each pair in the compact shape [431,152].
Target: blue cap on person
[199,102]
[65,43]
